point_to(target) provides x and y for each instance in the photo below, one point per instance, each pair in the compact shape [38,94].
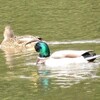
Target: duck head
[43,49]
[8,33]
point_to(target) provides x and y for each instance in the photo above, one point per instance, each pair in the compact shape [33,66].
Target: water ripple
[74,42]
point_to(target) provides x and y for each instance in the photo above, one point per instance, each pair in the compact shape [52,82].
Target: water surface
[20,79]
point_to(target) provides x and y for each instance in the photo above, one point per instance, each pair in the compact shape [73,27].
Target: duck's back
[65,53]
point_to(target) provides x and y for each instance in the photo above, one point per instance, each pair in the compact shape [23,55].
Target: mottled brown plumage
[17,43]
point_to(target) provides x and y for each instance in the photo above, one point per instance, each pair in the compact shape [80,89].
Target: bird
[11,42]
[62,57]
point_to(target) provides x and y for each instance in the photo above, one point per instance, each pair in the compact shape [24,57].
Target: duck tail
[92,58]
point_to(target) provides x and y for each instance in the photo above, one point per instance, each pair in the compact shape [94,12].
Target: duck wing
[71,53]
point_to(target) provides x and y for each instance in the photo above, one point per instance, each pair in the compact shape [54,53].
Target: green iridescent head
[43,49]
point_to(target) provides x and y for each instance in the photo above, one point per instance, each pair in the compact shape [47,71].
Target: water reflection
[47,79]
[21,66]
[66,77]
[16,59]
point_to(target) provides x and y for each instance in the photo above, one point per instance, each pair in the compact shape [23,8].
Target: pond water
[20,79]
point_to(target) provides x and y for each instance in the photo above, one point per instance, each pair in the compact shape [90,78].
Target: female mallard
[63,57]
[13,42]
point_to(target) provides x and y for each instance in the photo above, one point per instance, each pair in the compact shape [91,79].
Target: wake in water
[74,42]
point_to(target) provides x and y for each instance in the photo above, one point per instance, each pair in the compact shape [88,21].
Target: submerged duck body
[63,57]
[17,43]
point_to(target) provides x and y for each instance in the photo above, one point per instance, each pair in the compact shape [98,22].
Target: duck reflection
[14,59]
[44,79]
[65,78]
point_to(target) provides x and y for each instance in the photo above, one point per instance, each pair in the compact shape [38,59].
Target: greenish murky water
[53,20]
[20,79]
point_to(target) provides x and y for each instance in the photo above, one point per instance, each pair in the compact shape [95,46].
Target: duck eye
[37,47]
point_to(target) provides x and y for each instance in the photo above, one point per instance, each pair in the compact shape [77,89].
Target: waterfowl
[12,42]
[63,57]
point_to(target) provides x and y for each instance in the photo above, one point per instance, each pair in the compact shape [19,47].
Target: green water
[53,20]
[20,79]
[63,19]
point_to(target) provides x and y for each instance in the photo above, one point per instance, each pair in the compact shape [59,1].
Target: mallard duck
[63,57]
[12,42]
